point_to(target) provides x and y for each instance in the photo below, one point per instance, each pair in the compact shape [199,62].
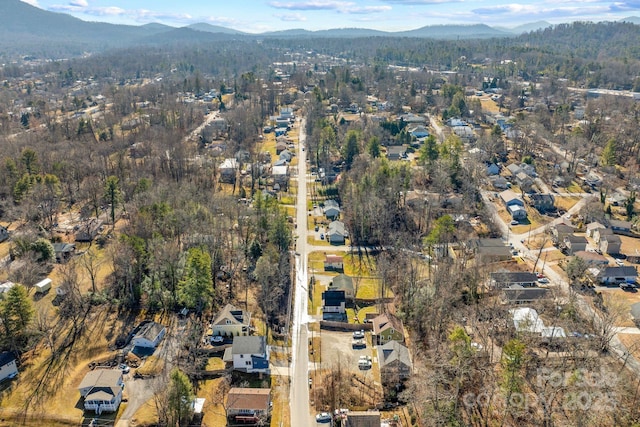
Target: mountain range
[28,30]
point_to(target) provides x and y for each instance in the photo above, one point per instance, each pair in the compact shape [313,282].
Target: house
[149,335]
[592,259]
[489,250]
[574,243]
[102,390]
[345,283]
[387,327]
[517,294]
[499,182]
[5,287]
[249,354]
[610,244]
[599,233]
[232,322]
[336,233]
[493,169]
[592,227]
[524,181]
[4,233]
[8,367]
[514,169]
[395,363]
[620,227]
[617,275]
[228,170]
[396,152]
[333,263]
[616,199]
[248,405]
[334,305]
[419,132]
[362,419]
[542,202]
[526,319]
[64,252]
[280,176]
[331,209]
[88,230]
[504,279]
[514,204]
[560,231]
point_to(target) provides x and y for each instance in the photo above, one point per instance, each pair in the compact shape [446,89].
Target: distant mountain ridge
[25,29]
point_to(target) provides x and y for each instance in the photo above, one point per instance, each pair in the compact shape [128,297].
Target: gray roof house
[502,279]
[575,243]
[149,336]
[517,294]
[616,275]
[249,354]
[514,204]
[395,363]
[331,209]
[345,283]
[337,233]
[102,390]
[610,244]
[231,321]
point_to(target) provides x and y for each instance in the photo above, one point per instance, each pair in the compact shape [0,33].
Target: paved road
[299,398]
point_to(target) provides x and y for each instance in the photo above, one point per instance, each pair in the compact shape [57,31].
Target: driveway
[337,350]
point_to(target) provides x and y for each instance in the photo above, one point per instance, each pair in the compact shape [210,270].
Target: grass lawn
[280,414]
[566,203]
[317,242]
[574,188]
[362,313]
[316,301]
[153,365]
[355,265]
[214,363]
[489,105]
[369,289]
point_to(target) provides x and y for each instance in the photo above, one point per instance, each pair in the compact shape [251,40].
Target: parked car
[619,261]
[322,236]
[543,280]
[358,335]
[628,286]
[124,368]
[359,344]
[217,339]
[364,362]
[323,418]
[515,222]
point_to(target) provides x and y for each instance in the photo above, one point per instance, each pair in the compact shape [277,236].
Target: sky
[256,16]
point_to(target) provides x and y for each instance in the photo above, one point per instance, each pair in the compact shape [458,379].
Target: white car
[217,339]
[619,262]
[323,418]
[358,335]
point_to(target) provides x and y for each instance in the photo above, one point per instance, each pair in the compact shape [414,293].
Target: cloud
[338,6]
[32,2]
[292,17]
[310,5]
[79,3]
[421,2]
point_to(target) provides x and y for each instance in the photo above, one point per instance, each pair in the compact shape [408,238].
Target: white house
[8,367]
[150,335]
[248,354]
[231,321]
[102,390]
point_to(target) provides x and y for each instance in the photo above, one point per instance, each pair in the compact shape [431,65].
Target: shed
[43,286]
